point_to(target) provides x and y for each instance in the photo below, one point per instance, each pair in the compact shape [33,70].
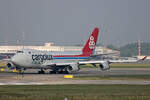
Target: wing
[127,61]
[95,55]
[91,62]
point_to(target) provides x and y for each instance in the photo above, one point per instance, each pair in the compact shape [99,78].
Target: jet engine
[73,67]
[10,66]
[104,65]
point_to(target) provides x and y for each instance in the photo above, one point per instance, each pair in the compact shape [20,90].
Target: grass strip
[75,92]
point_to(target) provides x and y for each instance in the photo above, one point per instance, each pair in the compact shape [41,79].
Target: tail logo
[91,43]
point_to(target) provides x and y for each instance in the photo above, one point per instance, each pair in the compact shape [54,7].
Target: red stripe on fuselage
[70,56]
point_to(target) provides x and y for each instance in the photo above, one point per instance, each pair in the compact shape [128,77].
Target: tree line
[131,49]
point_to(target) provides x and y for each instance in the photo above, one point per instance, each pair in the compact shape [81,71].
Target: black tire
[66,72]
[52,72]
[41,72]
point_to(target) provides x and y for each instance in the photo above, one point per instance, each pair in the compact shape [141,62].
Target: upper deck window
[19,51]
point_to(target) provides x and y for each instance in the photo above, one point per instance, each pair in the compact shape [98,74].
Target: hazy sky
[71,21]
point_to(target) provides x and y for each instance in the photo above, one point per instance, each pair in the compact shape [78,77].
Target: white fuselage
[39,59]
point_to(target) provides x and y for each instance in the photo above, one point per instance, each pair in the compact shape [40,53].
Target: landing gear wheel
[52,72]
[60,72]
[20,71]
[66,72]
[41,72]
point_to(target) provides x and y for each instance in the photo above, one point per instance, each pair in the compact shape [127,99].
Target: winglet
[90,45]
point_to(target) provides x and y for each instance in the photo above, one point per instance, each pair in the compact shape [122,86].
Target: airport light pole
[139,45]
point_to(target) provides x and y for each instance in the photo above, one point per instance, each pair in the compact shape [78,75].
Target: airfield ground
[84,76]
[75,92]
[130,82]
[121,74]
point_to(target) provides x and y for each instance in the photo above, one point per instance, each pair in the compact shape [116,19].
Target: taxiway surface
[30,77]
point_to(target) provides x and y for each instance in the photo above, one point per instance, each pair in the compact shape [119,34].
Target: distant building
[52,47]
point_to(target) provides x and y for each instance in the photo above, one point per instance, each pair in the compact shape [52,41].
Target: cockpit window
[29,52]
[19,51]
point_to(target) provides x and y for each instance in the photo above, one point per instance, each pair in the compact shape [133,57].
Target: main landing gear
[58,70]
[53,72]
[41,71]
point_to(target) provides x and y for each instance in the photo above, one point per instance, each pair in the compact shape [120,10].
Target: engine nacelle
[73,67]
[104,65]
[10,66]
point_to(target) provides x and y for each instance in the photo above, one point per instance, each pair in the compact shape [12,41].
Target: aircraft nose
[14,59]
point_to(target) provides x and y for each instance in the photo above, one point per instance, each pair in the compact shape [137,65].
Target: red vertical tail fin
[90,45]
